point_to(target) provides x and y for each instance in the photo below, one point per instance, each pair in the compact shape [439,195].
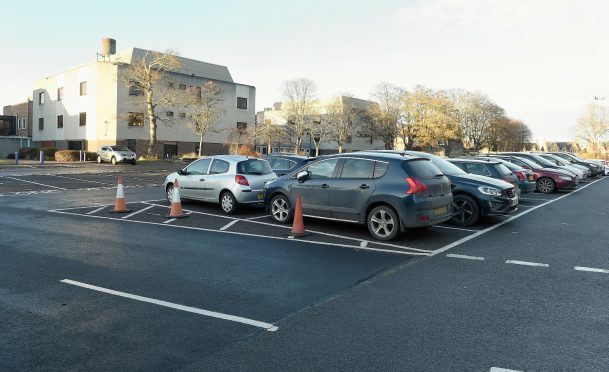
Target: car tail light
[241,180]
[521,176]
[416,186]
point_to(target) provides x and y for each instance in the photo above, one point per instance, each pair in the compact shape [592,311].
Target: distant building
[358,141]
[23,117]
[15,127]
[89,105]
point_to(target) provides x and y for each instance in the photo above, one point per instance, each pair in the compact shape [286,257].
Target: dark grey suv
[387,192]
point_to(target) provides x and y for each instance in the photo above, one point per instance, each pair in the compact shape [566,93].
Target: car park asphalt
[523,291]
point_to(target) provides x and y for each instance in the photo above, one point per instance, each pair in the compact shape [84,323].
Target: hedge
[73,155]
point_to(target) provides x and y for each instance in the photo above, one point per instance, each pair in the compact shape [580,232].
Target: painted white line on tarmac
[465,257]
[97,210]
[225,227]
[105,205]
[491,228]
[257,218]
[591,269]
[78,179]
[497,369]
[169,221]
[455,228]
[267,326]
[36,183]
[246,234]
[137,212]
[363,244]
[526,263]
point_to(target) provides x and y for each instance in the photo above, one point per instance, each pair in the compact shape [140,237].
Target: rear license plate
[261,195]
[439,211]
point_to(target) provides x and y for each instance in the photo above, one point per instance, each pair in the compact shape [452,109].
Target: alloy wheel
[545,185]
[280,209]
[227,203]
[382,223]
[169,193]
[463,210]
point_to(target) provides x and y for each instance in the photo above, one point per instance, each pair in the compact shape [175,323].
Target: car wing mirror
[302,175]
[182,172]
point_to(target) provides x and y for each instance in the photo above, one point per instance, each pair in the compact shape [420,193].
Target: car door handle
[364,186]
[325,186]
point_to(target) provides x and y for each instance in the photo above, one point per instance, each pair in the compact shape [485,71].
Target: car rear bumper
[245,196]
[526,186]
[425,211]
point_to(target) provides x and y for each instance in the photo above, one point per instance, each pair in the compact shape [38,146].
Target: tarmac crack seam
[491,228]
[35,183]
[233,318]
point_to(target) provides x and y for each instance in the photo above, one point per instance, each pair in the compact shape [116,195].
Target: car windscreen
[421,169]
[528,162]
[447,167]
[254,167]
[542,161]
[120,148]
[502,169]
[556,160]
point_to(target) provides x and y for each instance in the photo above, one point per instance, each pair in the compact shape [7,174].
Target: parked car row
[388,191]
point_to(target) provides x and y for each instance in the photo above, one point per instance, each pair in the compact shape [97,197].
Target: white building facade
[90,105]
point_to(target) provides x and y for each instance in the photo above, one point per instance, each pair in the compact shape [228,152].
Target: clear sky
[542,60]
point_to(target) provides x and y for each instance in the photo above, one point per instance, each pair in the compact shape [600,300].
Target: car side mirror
[302,175]
[182,172]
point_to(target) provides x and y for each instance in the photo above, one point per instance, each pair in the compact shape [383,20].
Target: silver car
[228,180]
[115,154]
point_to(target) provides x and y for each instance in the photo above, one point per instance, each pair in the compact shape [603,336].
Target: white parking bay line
[491,228]
[476,258]
[526,263]
[170,220]
[591,269]
[225,227]
[137,212]
[97,210]
[267,326]
[35,183]
[455,228]
[497,369]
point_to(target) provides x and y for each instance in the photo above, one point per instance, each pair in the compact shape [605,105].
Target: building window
[59,121]
[183,115]
[136,119]
[40,123]
[241,127]
[242,103]
[134,89]
[83,88]
[169,113]
[41,98]
[182,86]
[171,84]
[83,119]
[131,144]
[24,123]
[60,94]
[199,94]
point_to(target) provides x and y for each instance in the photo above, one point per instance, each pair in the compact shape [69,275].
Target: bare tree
[205,106]
[147,80]
[341,115]
[385,112]
[476,114]
[299,106]
[269,132]
[593,126]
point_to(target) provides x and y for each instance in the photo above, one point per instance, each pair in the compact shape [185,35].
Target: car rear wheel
[113,160]
[466,210]
[228,203]
[99,159]
[546,185]
[383,223]
[281,209]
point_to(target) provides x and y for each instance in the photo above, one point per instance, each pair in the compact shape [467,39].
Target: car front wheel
[281,210]
[383,223]
[228,203]
[99,159]
[545,185]
[466,210]
[169,192]
[113,160]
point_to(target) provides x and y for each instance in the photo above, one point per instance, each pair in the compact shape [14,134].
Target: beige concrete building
[359,140]
[90,105]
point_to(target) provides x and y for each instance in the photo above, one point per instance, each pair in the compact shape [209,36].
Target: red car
[548,180]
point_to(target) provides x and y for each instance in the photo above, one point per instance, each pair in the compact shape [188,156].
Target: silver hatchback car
[228,180]
[115,154]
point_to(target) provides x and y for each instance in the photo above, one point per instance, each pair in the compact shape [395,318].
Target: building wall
[23,113]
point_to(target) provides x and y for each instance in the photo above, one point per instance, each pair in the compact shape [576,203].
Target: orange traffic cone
[120,206]
[298,229]
[176,205]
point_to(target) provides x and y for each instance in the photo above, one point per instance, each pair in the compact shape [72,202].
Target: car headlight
[489,191]
[566,178]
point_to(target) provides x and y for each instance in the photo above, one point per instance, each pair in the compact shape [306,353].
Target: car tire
[113,160]
[383,223]
[281,209]
[467,211]
[169,192]
[228,203]
[99,159]
[546,185]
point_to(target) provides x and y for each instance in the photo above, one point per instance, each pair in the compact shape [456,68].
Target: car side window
[219,166]
[380,168]
[322,169]
[279,163]
[199,166]
[461,165]
[479,169]
[357,168]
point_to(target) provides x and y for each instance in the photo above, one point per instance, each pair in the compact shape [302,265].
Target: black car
[595,169]
[283,164]
[474,196]
[387,192]
[526,177]
[490,168]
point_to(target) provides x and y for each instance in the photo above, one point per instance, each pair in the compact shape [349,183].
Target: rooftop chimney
[108,47]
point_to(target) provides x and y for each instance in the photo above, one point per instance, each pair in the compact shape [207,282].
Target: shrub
[29,153]
[10,155]
[149,157]
[247,151]
[67,155]
[49,153]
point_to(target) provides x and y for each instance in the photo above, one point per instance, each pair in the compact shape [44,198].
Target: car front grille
[511,193]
